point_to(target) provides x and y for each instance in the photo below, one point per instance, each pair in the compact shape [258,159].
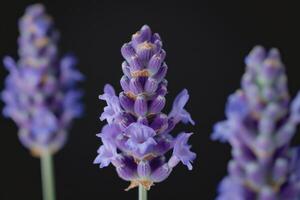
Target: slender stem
[142,193]
[47,176]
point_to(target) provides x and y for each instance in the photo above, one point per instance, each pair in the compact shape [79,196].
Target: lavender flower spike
[40,94]
[260,124]
[137,135]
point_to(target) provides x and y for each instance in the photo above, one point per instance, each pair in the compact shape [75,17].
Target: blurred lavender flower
[40,94]
[137,135]
[260,124]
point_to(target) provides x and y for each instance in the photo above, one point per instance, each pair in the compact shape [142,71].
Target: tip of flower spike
[272,64]
[274,53]
[258,49]
[257,54]
[35,9]
[144,34]
[145,27]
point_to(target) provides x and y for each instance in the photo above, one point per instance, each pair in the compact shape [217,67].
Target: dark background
[206,43]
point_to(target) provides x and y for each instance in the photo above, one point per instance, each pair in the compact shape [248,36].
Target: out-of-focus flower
[40,92]
[137,135]
[260,124]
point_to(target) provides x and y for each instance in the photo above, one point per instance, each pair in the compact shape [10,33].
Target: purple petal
[127,52]
[126,102]
[161,173]
[222,131]
[161,73]
[160,123]
[140,140]
[136,86]
[113,107]
[164,143]
[237,106]
[10,64]
[155,62]
[157,104]
[267,193]
[178,113]
[105,156]
[143,35]
[255,174]
[126,69]
[280,169]
[143,169]
[139,132]
[151,85]
[256,56]
[108,89]
[44,123]
[143,120]
[231,189]
[135,64]
[69,73]
[182,150]
[162,90]
[124,119]
[128,170]
[295,109]
[140,106]
[145,50]
[125,83]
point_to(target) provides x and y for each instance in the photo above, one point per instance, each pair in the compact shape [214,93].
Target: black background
[206,43]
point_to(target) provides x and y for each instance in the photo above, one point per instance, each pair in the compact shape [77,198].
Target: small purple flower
[106,153]
[182,151]
[140,140]
[260,124]
[137,135]
[113,106]
[40,94]
[178,113]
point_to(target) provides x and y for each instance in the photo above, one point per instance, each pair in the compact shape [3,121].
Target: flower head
[40,94]
[260,124]
[137,136]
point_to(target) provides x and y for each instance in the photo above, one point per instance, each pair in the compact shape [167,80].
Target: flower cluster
[137,135]
[40,94]
[261,122]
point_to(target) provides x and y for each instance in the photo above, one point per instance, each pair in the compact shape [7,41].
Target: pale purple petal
[113,107]
[182,150]
[178,113]
[144,169]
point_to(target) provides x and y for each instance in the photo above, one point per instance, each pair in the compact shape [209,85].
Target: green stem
[47,176]
[142,193]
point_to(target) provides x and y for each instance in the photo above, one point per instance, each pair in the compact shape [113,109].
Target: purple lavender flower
[40,95]
[137,135]
[260,124]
